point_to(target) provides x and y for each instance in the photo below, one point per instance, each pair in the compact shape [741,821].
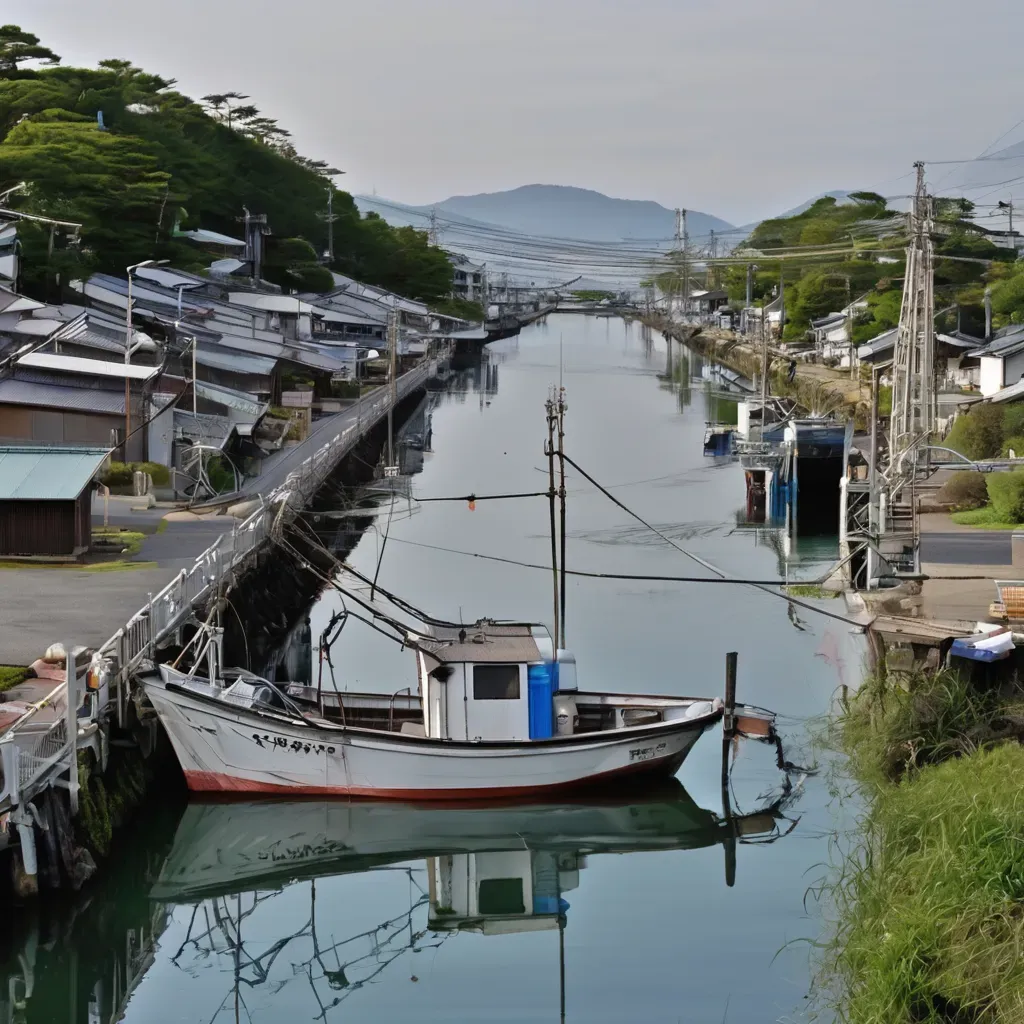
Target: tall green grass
[930,905]
[931,909]
[889,730]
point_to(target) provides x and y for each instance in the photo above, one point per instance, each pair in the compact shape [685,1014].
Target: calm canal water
[305,912]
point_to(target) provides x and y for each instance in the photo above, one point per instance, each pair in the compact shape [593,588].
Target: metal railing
[29,753]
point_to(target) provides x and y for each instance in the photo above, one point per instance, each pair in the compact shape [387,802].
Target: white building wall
[991,376]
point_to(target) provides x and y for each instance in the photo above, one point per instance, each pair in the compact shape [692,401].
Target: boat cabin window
[495,682]
[500,896]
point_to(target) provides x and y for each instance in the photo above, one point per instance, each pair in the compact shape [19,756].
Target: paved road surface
[981,547]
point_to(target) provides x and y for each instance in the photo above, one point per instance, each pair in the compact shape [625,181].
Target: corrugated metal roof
[87,367]
[53,396]
[34,473]
[234,362]
[229,398]
[879,343]
[1009,394]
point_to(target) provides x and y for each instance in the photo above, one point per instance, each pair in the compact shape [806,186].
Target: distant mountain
[558,211]
[562,211]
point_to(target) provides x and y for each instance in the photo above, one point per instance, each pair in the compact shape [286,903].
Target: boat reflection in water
[244,892]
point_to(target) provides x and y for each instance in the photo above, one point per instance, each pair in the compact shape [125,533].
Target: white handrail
[135,640]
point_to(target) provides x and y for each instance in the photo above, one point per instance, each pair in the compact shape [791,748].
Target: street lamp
[128,349]
[195,343]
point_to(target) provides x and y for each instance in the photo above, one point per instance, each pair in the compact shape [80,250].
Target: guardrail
[29,756]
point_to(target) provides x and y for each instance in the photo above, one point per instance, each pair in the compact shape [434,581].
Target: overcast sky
[739,109]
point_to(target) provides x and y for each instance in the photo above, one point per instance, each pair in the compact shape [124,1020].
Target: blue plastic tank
[540,681]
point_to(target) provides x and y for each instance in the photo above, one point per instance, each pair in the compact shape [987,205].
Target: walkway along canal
[499,917]
[62,735]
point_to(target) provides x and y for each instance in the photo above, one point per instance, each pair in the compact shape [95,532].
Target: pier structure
[39,751]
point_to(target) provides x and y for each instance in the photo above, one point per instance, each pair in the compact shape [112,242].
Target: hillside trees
[120,150]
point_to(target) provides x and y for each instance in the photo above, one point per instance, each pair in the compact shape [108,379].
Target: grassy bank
[933,912]
[930,907]
[986,518]
[11,675]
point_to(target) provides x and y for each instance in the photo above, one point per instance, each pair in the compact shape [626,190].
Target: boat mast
[560,410]
[549,450]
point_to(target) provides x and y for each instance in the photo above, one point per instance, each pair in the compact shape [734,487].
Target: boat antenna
[549,451]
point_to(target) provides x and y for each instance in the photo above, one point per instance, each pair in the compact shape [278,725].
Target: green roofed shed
[46,499]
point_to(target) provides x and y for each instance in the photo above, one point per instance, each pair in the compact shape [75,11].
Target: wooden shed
[46,499]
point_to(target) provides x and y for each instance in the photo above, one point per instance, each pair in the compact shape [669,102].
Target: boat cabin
[493,681]
[500,892]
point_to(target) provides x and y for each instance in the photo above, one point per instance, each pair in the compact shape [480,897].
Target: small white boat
[496,714]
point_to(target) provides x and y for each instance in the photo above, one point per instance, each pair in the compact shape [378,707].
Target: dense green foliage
[121,152]
[979,434]
[964,490]
[928,921]
[462,308]
[853,252]
[1006,493]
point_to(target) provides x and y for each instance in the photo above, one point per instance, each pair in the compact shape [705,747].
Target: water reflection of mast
[381,953]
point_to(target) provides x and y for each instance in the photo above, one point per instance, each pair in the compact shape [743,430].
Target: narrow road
[981,547]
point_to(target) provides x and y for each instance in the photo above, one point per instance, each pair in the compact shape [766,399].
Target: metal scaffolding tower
[879,512]
[913,385]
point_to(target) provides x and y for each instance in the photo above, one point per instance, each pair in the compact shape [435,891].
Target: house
[46,499]
[58,399]
[469,279]
[957,364]
[1002,359]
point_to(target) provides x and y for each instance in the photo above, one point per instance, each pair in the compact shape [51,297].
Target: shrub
[118,474]
[979,434]
[160,475]
[965,490]
[1006,492]
[1014,443]
[1013,420]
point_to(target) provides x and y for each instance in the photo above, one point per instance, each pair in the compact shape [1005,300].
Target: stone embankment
[819,389]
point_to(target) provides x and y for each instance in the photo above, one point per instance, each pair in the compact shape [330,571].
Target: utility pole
[1008,207]
[330,223]
[782,299]
[913,393]
[686,267]
[764,368]
[433,235]
[849,329]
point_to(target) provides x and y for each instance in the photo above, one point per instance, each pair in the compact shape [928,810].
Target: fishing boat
[496,713]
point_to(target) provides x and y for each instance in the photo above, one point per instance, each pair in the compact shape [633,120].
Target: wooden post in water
[728,731]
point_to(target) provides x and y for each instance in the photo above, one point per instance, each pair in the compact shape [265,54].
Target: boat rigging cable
[707,565]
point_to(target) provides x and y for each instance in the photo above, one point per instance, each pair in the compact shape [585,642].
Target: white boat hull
[224,749]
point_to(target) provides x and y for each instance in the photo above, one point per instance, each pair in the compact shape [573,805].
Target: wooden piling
[728,732]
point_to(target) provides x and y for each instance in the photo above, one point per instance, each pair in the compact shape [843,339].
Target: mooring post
[729,719]
[728,731]
[71,676]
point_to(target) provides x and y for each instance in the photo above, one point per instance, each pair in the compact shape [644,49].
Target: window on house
[495,682]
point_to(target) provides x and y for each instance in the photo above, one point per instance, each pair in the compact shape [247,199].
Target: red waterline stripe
[214,782]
